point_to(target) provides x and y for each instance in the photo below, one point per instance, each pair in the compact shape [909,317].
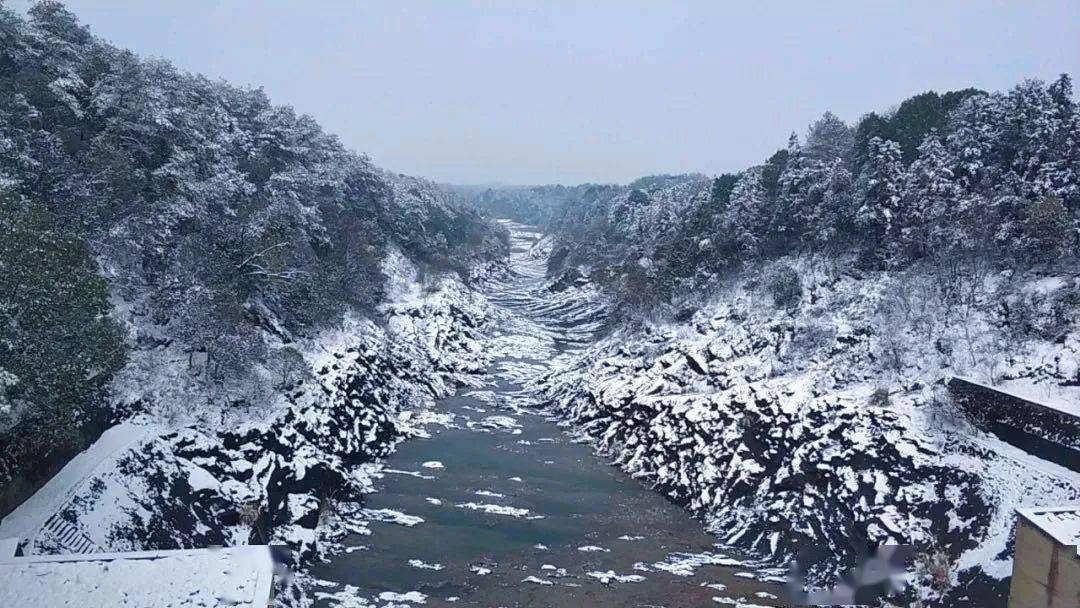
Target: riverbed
[502,506]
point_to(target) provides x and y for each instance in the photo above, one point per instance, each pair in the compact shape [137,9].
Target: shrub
[936,570]
[893,348]
[638,198]
[945,413]
[1046,229]
[642,291]
[880,397]
[811,338]
[785,286]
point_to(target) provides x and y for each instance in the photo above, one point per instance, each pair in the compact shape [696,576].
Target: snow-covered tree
[834,214]
[793,202]
[1059,171]
[214,213]
[1047,229]
[878,194]
[974,140]
[932,211]
[56,335]
[828,139]
[746,219]
[1033,126]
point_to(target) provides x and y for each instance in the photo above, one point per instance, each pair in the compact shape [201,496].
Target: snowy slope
[268,479]
[813,432]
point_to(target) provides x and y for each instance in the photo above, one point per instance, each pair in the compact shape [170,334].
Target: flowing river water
[500,507]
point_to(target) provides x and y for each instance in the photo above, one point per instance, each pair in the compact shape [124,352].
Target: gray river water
[514,511]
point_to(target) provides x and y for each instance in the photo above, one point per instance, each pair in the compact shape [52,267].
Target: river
[500,507]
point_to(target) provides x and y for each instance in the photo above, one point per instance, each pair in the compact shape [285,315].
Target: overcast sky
[542,92]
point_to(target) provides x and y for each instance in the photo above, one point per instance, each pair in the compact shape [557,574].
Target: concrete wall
[1030,426]
[1046,574]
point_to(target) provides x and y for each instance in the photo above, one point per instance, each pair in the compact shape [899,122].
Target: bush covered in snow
[58,345]
[1047,229]
[784,286]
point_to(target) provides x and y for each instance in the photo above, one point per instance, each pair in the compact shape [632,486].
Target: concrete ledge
[238,577]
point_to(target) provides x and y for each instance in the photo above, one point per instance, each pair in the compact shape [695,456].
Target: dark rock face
[821,481]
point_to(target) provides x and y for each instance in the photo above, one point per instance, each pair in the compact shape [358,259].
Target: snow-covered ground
[238,577]
[30,519]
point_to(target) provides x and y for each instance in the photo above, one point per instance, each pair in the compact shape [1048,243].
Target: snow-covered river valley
[500,506]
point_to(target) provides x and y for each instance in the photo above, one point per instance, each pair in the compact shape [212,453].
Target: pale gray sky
[541,92]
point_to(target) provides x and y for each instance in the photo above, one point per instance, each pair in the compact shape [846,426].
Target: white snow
[498,509]
[1061,523]
[412,596]
[391,516]
[415,474]
[686,564]
[29,518]
[201,479]
[610,577]
[204,578]
[500,422]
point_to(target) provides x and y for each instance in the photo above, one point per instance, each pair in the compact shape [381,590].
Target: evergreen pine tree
[745,220]
[790,211]
[1059,172]
[828,139]
[833,214]
[931,208]
[974,139]
[878,196]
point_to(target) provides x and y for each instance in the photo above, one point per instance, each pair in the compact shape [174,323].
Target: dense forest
[941,178]
[149,216]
